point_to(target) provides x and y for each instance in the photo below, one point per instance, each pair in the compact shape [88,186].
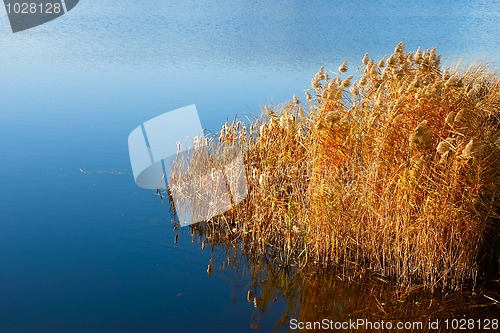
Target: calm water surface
[91,252]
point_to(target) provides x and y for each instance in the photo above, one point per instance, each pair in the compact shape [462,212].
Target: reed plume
[396,173]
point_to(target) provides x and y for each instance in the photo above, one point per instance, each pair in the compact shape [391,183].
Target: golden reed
[396,173]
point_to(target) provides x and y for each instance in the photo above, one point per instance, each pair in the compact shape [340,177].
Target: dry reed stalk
[396,173]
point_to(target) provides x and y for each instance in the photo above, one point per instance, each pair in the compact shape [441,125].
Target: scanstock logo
[31,13]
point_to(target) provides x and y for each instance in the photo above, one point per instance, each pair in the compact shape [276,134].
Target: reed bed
[396,173]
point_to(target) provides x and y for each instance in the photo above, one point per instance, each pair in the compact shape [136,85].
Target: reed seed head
[450,119]
[343,67]
[295,100]
[347,82]
[468,151]
[397,119]
[444,146]
[366,58]
[421,135]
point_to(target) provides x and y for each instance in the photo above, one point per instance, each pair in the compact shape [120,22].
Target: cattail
[343,67]
[209,269]
[179,148]
[468,152]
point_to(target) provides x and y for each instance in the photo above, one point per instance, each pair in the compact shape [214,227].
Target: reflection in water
[314,294]
[207,181]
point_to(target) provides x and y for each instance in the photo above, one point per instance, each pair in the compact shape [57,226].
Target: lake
[82,248]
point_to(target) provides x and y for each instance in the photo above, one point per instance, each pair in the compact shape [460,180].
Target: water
[89,251]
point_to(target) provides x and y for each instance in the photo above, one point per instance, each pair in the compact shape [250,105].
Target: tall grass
[396,173]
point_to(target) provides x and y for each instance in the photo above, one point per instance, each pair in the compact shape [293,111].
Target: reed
[396,173]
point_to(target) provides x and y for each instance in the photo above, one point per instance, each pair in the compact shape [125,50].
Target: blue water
[91,252]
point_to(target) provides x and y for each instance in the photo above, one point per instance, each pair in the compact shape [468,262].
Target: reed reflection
[318,294]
